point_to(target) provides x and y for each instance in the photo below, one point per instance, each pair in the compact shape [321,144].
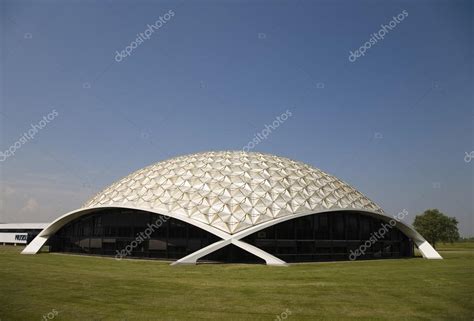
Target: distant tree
[436,227]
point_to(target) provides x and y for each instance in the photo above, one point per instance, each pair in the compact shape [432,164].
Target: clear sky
[396,123]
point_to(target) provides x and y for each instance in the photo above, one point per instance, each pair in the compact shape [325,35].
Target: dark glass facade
[140,234]
[329,237]
[113,231]
[231,254]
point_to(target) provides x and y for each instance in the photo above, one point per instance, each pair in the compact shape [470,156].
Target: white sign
[19,238]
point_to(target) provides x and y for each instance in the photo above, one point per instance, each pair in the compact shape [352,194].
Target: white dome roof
[232,190]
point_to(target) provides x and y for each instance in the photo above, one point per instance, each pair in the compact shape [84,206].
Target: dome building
[232,206]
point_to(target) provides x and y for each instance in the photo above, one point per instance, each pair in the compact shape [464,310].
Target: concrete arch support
[34,247]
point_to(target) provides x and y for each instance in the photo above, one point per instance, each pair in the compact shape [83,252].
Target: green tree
[436,227]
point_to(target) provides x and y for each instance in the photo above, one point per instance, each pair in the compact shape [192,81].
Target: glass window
[321,226]
[352,226]
[365,227]
[327,236]
[285,230]
[111,230]
[304,228]
[320,237]
[338,226]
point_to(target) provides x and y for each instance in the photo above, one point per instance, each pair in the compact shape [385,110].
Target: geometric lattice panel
[232,190]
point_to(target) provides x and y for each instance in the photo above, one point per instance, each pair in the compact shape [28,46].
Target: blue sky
[395,124]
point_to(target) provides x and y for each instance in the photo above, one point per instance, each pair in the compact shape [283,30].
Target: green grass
[93,288]
[455,246]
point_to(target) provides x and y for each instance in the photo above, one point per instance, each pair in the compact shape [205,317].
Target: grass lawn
[93,288]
